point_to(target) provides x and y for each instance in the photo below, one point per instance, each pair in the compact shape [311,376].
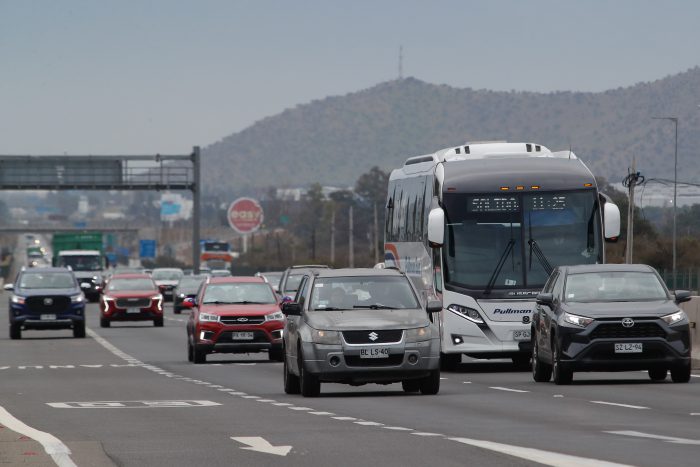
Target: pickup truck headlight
[320,336]
[674,318]
[418,334]
[576,320]
[208,317]
[276,316]
[18,299]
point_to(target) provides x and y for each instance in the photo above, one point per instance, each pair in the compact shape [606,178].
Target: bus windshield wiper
[534,247]
[499,266]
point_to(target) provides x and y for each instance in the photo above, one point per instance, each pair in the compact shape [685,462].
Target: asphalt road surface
[127,396]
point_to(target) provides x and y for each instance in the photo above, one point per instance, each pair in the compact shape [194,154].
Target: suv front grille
[133,302]
[618,331]
[373,337]
[242,319]
[48,304]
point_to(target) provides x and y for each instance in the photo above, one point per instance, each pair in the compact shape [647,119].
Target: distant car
[131,297]
[186,288]
[234,315]
[609,317]
[46,298]
[272,278]
[289,283]
[166,279]
[359,326]
[220,273]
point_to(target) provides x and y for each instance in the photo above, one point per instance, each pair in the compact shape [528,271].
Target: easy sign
[245,215]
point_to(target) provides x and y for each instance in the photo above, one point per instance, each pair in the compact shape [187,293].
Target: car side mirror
[436,227]
[682,296]
[545,299]
[189,302]
[9,287]
[291,309]
[434,306]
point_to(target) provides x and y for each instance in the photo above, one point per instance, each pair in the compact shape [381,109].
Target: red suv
[234,315]
[131,297]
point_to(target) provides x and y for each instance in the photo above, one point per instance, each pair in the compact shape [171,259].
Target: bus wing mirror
[611,218]
[436,227]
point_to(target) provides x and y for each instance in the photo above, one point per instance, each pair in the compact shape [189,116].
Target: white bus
[480,226]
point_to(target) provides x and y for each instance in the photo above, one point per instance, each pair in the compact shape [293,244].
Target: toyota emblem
[627,322]
[48,301]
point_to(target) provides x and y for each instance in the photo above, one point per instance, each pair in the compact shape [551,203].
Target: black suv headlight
[675,318]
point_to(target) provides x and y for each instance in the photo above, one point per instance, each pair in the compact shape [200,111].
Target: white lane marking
[536,455]
[249,397]
[300,408]
[695,376]
[345,418]
[266,400]
[668,439]
[322,413]
[499,388]
[424,433]
[466,382]
[281,404]
[53,446]
[627,406]
[256,443]
[365,423]
[443,378]
[558,395]
[132,404]
[397,428]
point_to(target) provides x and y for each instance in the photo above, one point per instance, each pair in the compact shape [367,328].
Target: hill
[336,139]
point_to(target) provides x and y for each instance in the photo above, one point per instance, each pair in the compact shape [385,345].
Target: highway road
[127,396]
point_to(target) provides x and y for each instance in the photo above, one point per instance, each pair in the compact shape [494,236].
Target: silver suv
[359,326]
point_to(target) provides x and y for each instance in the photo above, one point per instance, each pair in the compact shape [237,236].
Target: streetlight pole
[675,191]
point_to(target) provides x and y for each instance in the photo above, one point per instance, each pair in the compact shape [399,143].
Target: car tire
[291,381]
[560,375]
[275,355]
[158,322]
[79,329]
[198,355]
[190,351]
[310,384]
[541,371]
[521,362]
[411,385]
[104,323]
[15,331]
[658,374]
[450,361]
[681,374]
[430,385]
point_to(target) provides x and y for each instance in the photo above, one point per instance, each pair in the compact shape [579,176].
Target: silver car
[359,326]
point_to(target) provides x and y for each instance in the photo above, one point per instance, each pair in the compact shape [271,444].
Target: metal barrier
[692,309]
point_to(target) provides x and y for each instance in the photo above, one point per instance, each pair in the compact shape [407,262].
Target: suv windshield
[365,292]
[47,280]
[614,286]
[240,293]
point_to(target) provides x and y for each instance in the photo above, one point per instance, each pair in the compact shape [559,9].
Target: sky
[161,76]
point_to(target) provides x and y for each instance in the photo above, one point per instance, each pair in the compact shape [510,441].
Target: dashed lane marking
[499,388]
[424,433]
[132,404]
[668,439]
[627,406]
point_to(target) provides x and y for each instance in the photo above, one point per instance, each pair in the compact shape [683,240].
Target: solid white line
[498,388]
[536,455]
[668,439]
[628,406]
[53,446]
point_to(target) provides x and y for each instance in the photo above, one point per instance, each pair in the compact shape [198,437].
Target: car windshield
[292,284]
[167,275]
[53,280]
[238,293]
[118,285]
[511,241]
[272,277]
[614,286]
[365,292]
[81,262]
[189,282]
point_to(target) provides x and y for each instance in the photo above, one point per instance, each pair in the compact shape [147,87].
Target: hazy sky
[140,76]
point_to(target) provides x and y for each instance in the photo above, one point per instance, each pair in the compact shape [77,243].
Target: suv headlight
[18,299]
[576,320]
[321,336]
[676,317]
[80,298]
[276,316]
[468,313]
[208,317]
[418,334]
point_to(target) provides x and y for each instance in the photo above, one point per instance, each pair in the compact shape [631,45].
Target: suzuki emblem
[373,336]
[627,322]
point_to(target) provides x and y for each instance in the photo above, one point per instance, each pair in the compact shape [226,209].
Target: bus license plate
[628,348]
[133,310]
[521,335]
[242,336]
[48,317]
[374,352]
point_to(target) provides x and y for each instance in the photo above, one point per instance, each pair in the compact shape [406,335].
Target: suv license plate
[521,335]
[628,348]
[374,352]
[242,336]
[48,317]
[133,310]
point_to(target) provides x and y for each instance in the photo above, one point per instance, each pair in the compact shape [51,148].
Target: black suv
[46,298]
[609,317]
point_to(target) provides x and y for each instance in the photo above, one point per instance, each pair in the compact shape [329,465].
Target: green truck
[84,253]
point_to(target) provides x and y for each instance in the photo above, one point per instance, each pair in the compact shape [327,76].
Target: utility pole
[332,233]
[351,253]
[376,235]
[633,179]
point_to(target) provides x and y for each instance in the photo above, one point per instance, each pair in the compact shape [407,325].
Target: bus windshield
[513,240]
